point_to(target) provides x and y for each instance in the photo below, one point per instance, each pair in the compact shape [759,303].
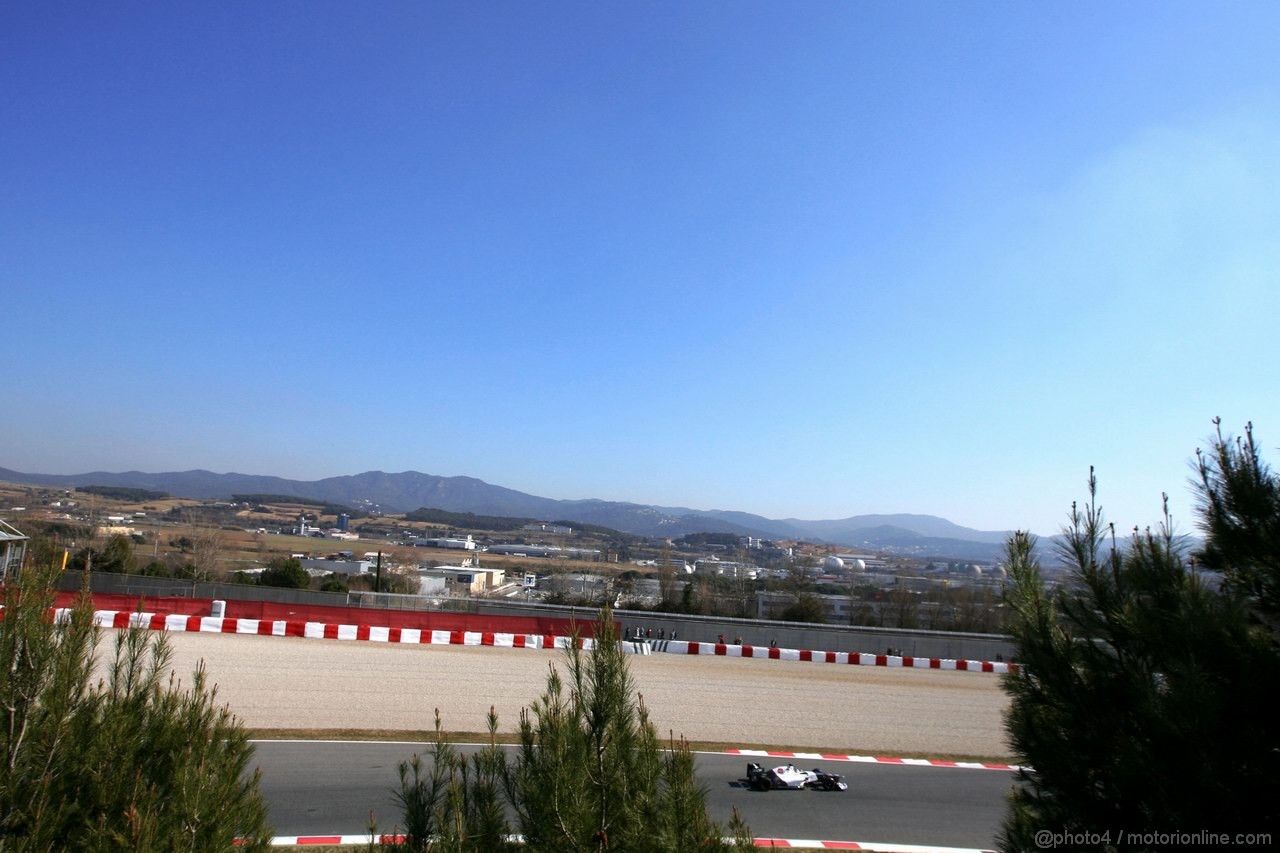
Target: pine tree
[1239,506]
[589,774]
[135,761]
[1143,701]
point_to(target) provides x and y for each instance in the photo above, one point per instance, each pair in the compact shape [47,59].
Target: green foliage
[115,557]
[1144,702]
[806,608]
[334,583]
[285,572]
[1239,508]
[589,775]
[122,493]
[135,761]
[155,569]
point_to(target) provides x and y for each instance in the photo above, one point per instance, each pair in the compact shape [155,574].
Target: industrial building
[465,580]
[454,543]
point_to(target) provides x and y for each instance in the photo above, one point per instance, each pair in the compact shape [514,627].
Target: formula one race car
[792,777]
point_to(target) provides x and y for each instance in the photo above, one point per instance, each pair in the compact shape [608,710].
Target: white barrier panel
[379,635]
[175,622]
[140,620]
[946,664]
[507,641]
[104,618]
[210,625]
[788,654]
[313,630]
[347,632]
[439,638]
[247,626]
[472,638]
[278,629]
[893,660]
[411,635]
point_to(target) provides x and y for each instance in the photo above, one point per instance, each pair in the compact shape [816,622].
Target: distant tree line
[121,493]
[693,540]
[267,498]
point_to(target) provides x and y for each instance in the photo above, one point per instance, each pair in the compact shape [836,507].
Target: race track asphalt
[325,788]
[330,788]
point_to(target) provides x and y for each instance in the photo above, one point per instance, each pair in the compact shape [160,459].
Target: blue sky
[800,259]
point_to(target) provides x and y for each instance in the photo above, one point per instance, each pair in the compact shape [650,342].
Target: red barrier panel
[275,612]
[160,604]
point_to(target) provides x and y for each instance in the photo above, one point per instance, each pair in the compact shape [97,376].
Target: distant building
[341,567]
[517,550]
[465,580]
[727,568]
[13,550]
[541,527]
[467,544]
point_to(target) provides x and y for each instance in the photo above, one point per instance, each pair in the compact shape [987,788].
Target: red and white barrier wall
[681,647]
[183,622]
[178,622]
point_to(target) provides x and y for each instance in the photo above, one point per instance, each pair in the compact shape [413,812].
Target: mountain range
[906,534]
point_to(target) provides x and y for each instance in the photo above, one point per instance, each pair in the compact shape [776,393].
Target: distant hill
[917,535]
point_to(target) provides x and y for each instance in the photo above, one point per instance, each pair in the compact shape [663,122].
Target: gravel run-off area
[282,683]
